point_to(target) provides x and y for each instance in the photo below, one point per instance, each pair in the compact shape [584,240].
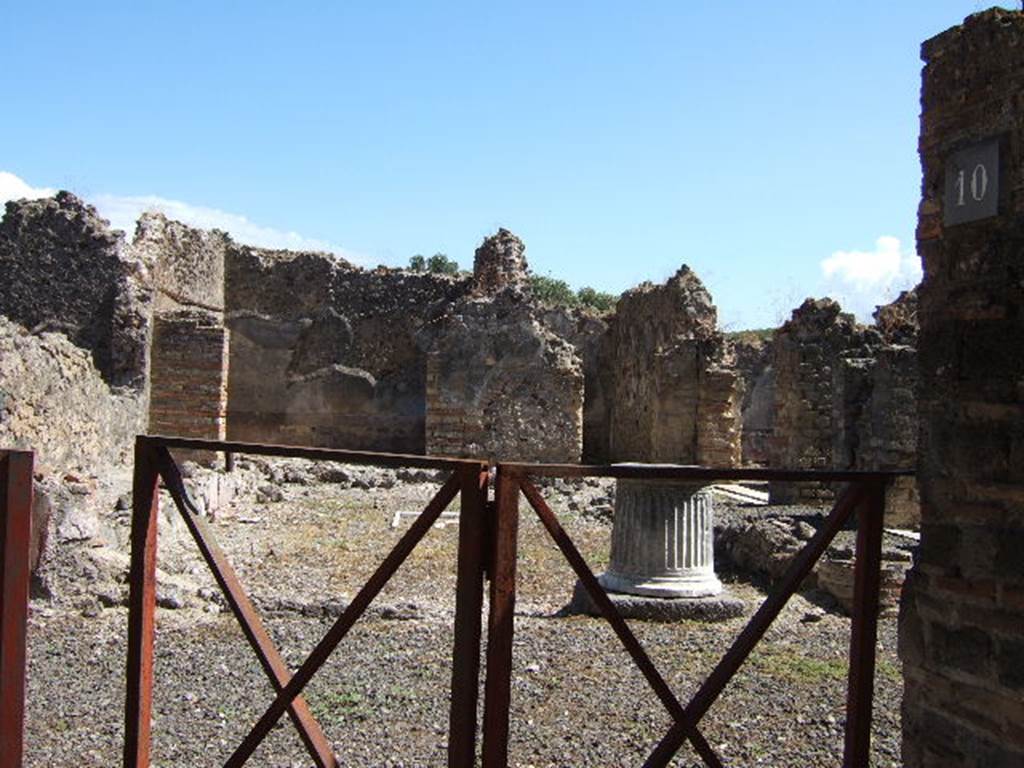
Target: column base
[721,607]
[667,586]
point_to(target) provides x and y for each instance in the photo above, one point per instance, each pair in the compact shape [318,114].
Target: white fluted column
[662,540]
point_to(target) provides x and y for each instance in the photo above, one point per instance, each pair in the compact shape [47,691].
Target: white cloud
[124,210]
[861,280]
[13,188]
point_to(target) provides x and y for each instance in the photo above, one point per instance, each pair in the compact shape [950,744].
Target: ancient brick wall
[451,428]
[757,408]
[890,429]
[845,397]
[587,331]
[806,351]
[676,389]
[188,354]
[186,264]
[501,384]
[853,381]
[962,627]
[188,378]
[874,407]
[63,269]
[325,353]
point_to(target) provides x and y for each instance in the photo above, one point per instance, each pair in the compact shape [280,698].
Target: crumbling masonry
[844,396]
[676,391]
[229,341]
[962,625]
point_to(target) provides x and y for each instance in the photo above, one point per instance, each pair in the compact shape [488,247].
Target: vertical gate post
[500,623]
[15,532]
[141,606]
[469,601]
[864,632]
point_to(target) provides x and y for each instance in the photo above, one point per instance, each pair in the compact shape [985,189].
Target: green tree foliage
[550,290]
[439,264]
[751,336]
[557,293]
[599,300]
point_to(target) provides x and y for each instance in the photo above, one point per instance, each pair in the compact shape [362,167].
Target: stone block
[965,649]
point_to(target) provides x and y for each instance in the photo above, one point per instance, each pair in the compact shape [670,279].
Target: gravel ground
[382,698]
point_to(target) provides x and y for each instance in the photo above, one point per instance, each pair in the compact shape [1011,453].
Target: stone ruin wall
[675,388]
[500,384]
[805,350]
[188,352]
[962,622]
[54,400]
[274,346]
[844,397]
[63,269]
[587,331]
[224,340]
[75,323]
[757,408]
[324,353]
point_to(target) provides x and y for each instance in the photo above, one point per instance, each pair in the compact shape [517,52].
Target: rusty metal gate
[487,547]
[154,462]
[15,530]
[865,495]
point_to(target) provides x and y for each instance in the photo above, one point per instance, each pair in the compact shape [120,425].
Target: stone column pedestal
[662,540]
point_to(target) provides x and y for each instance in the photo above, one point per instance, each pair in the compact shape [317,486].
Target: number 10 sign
[972,183]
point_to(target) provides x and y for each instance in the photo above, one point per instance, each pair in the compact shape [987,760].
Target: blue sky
[771,146]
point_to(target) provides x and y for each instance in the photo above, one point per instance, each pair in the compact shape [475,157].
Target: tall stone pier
[962,620]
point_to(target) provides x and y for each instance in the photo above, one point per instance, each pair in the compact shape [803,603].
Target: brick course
[962,618]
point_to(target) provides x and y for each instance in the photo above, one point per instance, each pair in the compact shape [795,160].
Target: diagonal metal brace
[270,659]
[751,634]
[344,623]
[612,615]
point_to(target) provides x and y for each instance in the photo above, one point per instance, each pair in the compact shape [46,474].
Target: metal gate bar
[741,648]
[153,462]
[865,495]
[864,632]
[15,535]
[269,657]
[500,621]
[611,614]
[469,602]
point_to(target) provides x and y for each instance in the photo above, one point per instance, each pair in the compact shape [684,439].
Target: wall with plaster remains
[325,353]
[587,331]
[757,408]
[962,623]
